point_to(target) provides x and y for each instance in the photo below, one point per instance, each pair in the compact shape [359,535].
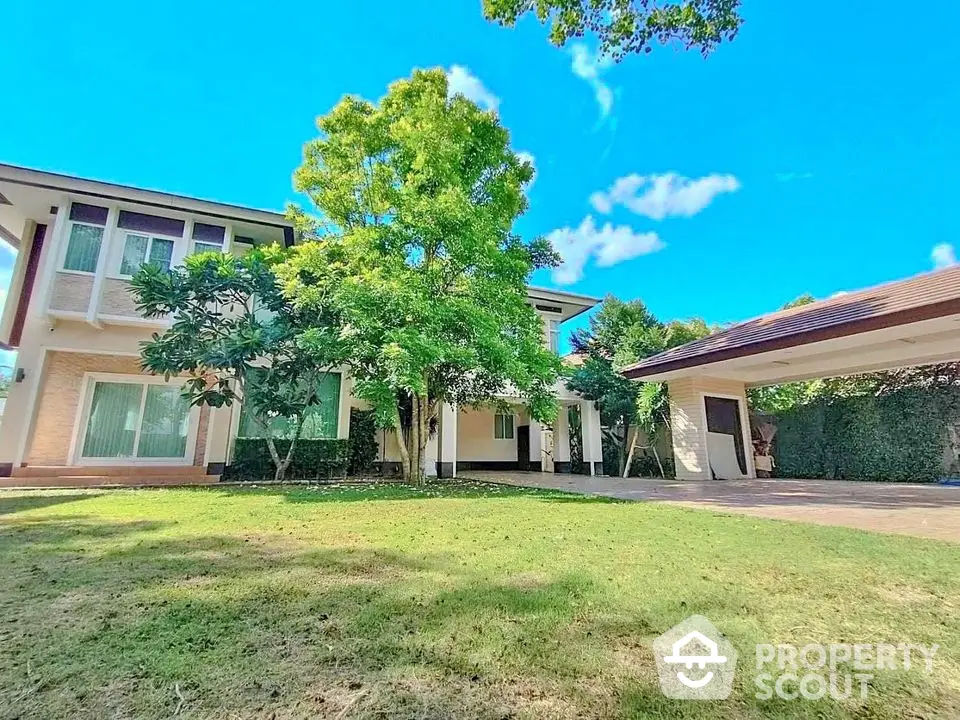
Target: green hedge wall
[313,460]
[363,442]
[896,437]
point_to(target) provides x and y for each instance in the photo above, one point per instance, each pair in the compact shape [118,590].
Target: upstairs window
[208,238]
[553,334]
[151,241]
[141,249]
[503,426]
[85,237]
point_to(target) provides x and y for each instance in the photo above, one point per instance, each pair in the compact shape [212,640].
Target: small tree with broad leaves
[237,338]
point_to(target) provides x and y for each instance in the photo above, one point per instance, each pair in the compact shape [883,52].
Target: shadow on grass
[434,490]
[19,503]
[108,619]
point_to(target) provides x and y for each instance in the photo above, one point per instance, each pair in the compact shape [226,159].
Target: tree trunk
[622,446]
[633,447]
[404,455]
[279,468]
[282,465]
[424,435]
[414,450]
[653,447]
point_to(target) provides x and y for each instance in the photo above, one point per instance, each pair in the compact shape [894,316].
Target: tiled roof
[922,297]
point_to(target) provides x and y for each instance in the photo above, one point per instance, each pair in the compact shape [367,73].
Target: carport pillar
[688,423]
[592,440]
[447,442]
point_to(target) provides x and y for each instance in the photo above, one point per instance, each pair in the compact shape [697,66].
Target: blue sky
[817,153]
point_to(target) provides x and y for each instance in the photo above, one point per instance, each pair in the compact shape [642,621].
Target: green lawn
[479,601]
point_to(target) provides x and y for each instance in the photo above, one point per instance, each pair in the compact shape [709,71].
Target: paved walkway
[931,511]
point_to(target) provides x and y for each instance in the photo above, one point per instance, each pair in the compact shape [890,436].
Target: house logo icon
[695,661]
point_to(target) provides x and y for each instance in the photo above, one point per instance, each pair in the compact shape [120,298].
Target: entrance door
[723,416]
[134,422]
[523,447]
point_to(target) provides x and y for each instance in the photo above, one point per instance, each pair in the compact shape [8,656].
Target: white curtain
[114,415]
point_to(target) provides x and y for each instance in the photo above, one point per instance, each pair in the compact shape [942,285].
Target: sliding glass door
[135,421]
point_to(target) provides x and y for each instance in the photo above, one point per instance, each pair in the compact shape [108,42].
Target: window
[321,420]
[135,420]
[86,235]
[208,238]
[553,329]
[141,249]
[503,426]
[147,239]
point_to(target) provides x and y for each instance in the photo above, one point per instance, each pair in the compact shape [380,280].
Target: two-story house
[79,403]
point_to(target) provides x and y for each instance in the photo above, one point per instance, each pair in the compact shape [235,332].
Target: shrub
[898,436]
[313,460]
[363,442]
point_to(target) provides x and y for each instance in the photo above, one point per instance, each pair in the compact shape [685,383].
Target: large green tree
[628,26]
[237,337]
[620,333]
[413,246]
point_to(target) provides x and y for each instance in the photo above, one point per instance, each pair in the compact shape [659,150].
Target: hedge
[313,460]
[898,437]
[363,442]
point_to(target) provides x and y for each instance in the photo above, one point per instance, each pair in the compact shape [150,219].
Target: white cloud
[608,246]
[590,67]
[460,81]
[943,255]
[666,195]
[529,158]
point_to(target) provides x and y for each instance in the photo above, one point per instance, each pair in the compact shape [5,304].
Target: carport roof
[923,297]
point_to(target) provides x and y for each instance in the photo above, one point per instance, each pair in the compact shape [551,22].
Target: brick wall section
[62,387]
[686,420]
[71,292]
[116,299]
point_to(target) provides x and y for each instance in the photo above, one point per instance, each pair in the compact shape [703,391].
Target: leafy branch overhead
[624,27]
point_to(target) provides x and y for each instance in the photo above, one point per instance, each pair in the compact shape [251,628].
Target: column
[688,420]
[561,441]
[16,429]
[687,427]
[592,439]
[447,442]
[219,427]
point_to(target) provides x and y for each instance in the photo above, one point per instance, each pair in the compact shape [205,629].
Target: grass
[452,601]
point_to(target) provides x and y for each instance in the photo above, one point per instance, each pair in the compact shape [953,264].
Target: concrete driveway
[930,511]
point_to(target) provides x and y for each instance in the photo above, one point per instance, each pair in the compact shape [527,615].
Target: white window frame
[66,246]
[513,425]
[82,419]
[222,247]
[121,235]
[553,334]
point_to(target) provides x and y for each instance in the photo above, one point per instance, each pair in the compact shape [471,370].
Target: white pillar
[343,415]
[219,427]
[592,447]
[16,429]
[561,436]
[447,442]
